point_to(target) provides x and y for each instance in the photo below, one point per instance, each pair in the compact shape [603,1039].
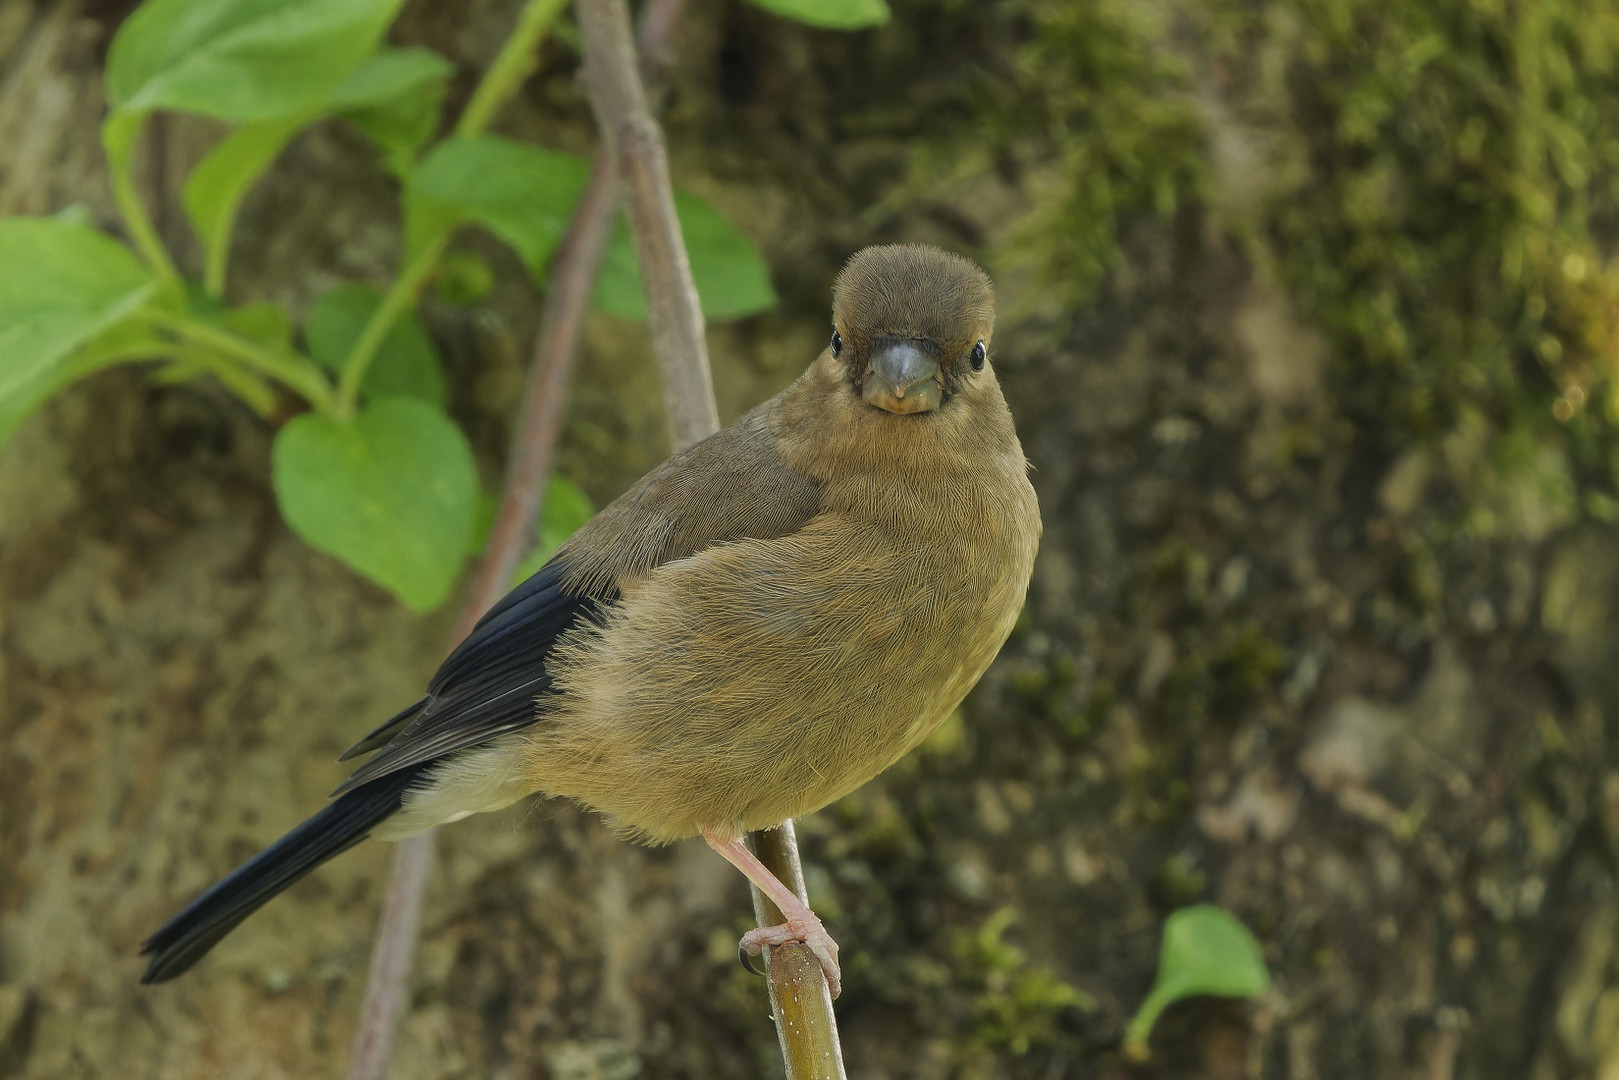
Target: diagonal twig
[800,1000]
[635,141]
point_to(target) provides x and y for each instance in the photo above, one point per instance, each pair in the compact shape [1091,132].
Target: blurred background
[1308,317]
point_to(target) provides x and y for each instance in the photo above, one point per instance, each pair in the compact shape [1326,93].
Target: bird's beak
[902,378]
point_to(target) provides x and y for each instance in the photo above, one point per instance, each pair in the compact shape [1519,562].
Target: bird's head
[911,325]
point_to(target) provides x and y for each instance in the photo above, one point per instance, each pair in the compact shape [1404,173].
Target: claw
[807,930]
[746,957]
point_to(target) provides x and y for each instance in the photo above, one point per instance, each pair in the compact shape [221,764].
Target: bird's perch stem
[799,998]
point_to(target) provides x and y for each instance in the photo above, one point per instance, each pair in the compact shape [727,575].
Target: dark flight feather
[487,686]
[339,826]
[385,731]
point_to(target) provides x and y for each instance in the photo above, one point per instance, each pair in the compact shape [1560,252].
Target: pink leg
[802,924]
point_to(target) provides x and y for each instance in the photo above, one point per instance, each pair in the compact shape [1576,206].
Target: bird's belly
[768,689]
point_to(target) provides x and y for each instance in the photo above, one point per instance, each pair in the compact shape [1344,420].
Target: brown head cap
[917,292]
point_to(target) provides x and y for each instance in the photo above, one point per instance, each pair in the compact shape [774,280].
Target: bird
[756,628]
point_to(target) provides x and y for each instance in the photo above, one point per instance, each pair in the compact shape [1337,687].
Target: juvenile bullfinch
[757,627]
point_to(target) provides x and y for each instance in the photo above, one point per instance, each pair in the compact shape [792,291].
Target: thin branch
[556,350]
[634,139]
[800,1000]
[573,280]
[799,997]
[389,976]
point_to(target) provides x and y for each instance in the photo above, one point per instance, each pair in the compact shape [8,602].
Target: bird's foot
[803,927]
[802,924]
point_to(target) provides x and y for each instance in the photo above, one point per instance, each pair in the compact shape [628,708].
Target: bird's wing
[731,486]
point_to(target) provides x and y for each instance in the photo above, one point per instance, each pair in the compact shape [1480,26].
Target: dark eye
[837,343]
[978,356]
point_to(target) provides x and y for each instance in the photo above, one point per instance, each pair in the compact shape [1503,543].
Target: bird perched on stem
[758,626]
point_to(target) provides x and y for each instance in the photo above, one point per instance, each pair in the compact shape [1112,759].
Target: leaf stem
[401,296]
[251,390]
[515,62]
[510,67]
[290,369]
[118,137]
[215,262]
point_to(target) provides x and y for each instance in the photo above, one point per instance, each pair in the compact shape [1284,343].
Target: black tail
[343,823]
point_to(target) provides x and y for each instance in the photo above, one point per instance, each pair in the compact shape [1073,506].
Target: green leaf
[732,279]
[262,322]
[61,284]
[125,341]
[395,98]
[215,189]
[119,133]
[240,59]
[407,363]
[833,14]
[401,127]
[388,74]
[566,509]
[464,278]
[1205,951]
[523,194]
[390,493]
